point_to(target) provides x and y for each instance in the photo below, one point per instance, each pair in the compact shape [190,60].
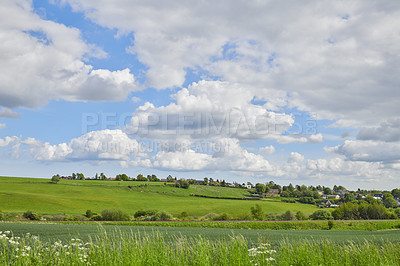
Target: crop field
[74,197]
[57,231]
[61,244]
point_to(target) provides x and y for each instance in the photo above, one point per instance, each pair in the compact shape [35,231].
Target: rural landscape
[205,133]
[193,222]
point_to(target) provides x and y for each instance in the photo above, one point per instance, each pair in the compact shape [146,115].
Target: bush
[55,179]
[1,215]
[114,215]
[209,216]
[307,200]
[300,216]
[287,216]
[183,215]
[161,216]
[31,215]
[330,224]
[222,217]
[96,218]
[322,215]
[142,213]
[89,214]
[257,212]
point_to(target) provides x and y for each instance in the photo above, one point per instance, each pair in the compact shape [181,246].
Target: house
[378,196]
[325,203]
[320,192]
[332,196]
[164,180]
[273,192]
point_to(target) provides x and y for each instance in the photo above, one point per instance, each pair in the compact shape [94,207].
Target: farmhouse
[273,192]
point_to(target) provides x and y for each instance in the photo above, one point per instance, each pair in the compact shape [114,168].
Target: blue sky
[292,93]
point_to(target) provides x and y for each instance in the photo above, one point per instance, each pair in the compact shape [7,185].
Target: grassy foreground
[154,249]
[51,232]
[74,197]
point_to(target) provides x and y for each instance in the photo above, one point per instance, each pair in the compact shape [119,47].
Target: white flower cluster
[263,252]
[76,247]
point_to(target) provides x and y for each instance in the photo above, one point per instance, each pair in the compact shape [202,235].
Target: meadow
[74,197]
[117,247]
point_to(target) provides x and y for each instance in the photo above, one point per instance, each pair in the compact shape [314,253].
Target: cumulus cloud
[369,151]
[7,113]
[349,51]
[209,110]
[103,145]
[45,60]
[388,131]
[268,149]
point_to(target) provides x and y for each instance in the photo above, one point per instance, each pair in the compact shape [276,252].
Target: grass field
[74,197]
[61,244]
[53,232]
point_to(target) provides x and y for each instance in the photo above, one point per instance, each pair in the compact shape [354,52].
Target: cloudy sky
[303,92]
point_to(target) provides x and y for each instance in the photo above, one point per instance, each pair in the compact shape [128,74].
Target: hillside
[75,197]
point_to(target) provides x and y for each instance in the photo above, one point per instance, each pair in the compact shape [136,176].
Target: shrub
[96,218]
[1,215]
[183,215]
[142,213]
[31,215]
[55,179]
[330,224]
[222,217]
[322,215]
[307,200]
[300,216]
[89,214]
[114,215]
[161,216]
[287,216]
[209,216]
[257,212]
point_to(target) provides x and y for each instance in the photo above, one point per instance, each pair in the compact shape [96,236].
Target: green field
[53,231]
[74,197]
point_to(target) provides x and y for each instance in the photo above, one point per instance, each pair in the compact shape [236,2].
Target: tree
[287,216]
[257,212]
[322,215]
[73,176]
[140,177]
[205,180]
[396,193]
[122,177]
[182,184]
[114,215]
[389,201]
[300,216]
[55,178]
[327,191]
[260,188]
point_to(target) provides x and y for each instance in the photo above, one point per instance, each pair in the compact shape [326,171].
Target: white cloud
[7,113]
[295,157]
[209,110]
[2,125]
[45,60]
[387,131]
[315,56]
[369,151]
[268,149]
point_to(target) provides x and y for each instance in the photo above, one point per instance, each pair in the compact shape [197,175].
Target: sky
[301,92]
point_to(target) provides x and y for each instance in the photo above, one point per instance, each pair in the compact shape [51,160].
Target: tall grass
[131,248]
